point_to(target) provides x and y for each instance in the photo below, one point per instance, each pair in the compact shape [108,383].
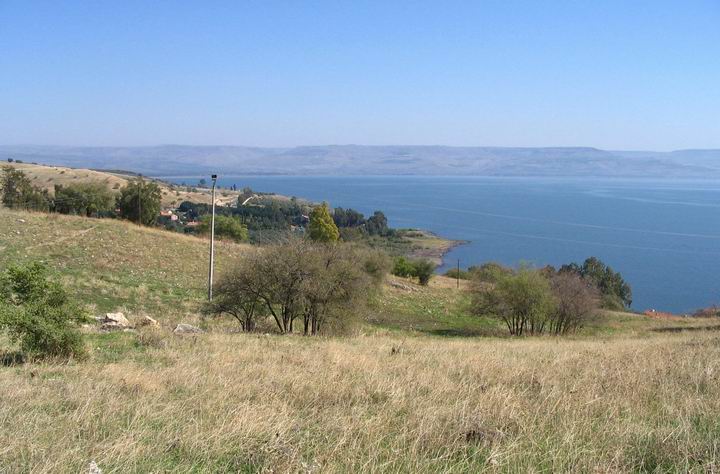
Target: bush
[37,313]
[420,269]
[455,273]
[523,300]
[490,272]
[424,271]
[403,267]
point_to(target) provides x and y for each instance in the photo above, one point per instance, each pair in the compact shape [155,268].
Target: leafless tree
[576,299]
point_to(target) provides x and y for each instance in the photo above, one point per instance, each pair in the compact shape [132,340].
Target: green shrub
[229,227]
[455,273]
[37,313]
[420,269]
[490,272]
[423,271]
[403,267]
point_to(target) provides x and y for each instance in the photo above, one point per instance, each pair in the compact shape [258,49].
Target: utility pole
[140,186]
[212,241]
[458,274]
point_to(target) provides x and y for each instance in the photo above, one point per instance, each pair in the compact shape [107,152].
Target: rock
[113,321]
[183,328]
[401,286]
[148,321]
[93,468]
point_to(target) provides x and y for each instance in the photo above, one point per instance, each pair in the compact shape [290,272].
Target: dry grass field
[237,403]
[421,387]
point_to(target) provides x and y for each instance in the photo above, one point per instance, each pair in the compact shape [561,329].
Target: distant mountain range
[348,160]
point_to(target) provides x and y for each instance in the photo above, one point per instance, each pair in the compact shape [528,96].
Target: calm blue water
[664,236]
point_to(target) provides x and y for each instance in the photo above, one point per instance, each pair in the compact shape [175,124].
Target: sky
[635,75]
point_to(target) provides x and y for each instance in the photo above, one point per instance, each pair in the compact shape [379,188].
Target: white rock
[113,321]
[183,328]
[148,321]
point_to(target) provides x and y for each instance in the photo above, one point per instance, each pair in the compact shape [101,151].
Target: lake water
[663,236]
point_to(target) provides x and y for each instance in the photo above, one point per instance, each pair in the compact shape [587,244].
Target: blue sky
[611,74]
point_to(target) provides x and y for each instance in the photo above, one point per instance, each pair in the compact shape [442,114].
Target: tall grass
[231,402]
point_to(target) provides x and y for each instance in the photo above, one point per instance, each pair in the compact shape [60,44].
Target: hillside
[358,160]
[46,177]
[416,390]
[116,265]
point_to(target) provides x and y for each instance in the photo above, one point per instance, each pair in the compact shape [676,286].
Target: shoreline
[429,245]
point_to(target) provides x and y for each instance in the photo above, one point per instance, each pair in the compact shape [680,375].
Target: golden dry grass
[46,177]
[230,402]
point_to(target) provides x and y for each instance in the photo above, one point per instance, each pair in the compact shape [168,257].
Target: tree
[18,192]
[615,291]
[336,287]
[322,228]
[325,285]
[139,201]
[576,301]
[348,217]
[377,224]
[37,312]
[523,300]
[423,270]
[225,226]
[87,199]
[237,293]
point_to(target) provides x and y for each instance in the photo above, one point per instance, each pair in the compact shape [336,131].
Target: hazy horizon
[382,145]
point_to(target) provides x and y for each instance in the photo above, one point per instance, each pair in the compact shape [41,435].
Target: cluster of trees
[532,302]
[18,191]
[85,199]
[139,201]
[37,312]
[616,292]
[421,269]
[268,222]
[352,220]
[228,227]
[324,286]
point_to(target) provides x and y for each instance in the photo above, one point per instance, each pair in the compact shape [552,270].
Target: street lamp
[212,240]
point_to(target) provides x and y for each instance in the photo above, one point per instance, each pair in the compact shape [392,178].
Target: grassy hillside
[114,264]
[46,177]
[629,393]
